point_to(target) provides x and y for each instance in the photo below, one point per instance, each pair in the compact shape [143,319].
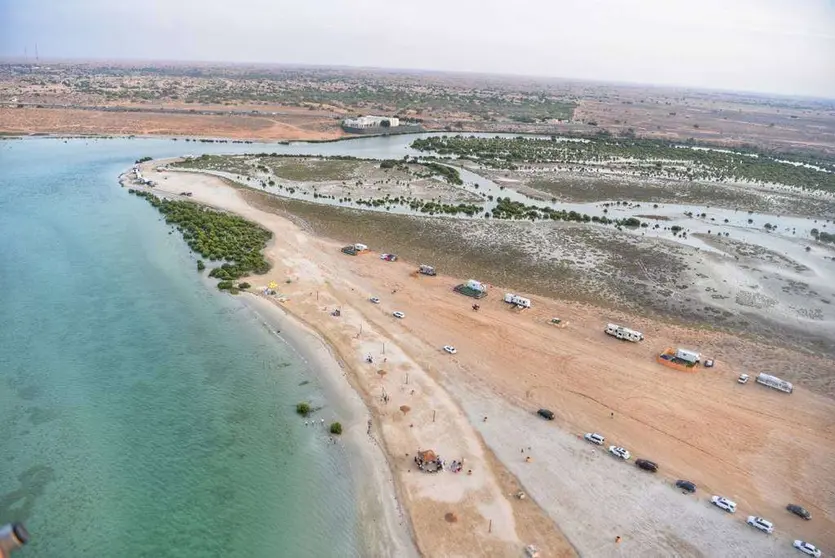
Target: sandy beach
[386,530]
[761,448]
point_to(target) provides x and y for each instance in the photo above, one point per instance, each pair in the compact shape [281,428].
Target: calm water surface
[141,412]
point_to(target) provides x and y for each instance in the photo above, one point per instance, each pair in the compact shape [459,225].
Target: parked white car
[450,349]
[374,300]
[761,524]
[723,503]
[619,452]
[807,548]
[594,438]
[398,314]
[743,379]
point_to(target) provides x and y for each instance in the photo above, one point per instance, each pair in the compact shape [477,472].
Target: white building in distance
[364,122]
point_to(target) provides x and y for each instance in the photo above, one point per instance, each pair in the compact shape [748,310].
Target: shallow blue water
[141,412]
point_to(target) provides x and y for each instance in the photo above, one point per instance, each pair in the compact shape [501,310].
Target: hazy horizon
[766,46]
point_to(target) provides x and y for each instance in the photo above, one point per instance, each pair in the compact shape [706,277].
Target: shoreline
[482,495]
[519,379]
[381,519]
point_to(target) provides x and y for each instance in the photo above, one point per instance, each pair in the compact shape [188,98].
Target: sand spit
[761,448]
[452,514]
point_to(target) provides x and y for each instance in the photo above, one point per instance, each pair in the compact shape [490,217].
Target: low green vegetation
[508,209]
[217,236]
[308,168]
[336,428]
[423,206]
[393,164]
[406,95]
[144,160]
[303,408]
[224,163]
[313,170]
[449,174]
[644,157]
[200,265]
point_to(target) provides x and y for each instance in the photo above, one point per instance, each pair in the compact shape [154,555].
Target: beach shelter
[427,460]
[427,455]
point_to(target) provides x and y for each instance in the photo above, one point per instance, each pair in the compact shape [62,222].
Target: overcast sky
[779,46]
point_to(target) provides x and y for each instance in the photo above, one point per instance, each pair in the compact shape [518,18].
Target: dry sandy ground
[71,121]
[385,528]
[759,447]
[416,414]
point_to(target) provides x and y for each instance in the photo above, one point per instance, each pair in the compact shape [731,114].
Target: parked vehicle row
[767,526]
[620,332]
[720,502]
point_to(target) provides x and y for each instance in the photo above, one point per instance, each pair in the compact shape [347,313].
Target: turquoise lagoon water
[141,412]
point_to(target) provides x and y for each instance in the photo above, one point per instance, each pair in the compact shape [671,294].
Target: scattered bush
[244,285]
[200,265]
[303,409]
[336,428]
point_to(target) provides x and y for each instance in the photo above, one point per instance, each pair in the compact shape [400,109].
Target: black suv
[799,511]
[545,413]
[646,465]
[686,485]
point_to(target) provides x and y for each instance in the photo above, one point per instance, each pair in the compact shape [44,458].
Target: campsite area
[510,362]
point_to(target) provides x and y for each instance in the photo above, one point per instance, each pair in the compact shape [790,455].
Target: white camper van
[688,356]
[624,333]
[775,382]
[520,301]
[476,285]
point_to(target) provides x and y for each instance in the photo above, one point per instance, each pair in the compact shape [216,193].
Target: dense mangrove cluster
[449,174]
[428,207]
[509,209]
[642,156]
[217,237]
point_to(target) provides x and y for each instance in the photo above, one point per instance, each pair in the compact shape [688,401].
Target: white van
[762,524]
[624,333]
[594,438]
[724,504]
[519,301]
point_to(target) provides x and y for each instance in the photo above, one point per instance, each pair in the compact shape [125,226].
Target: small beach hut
[428,461]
